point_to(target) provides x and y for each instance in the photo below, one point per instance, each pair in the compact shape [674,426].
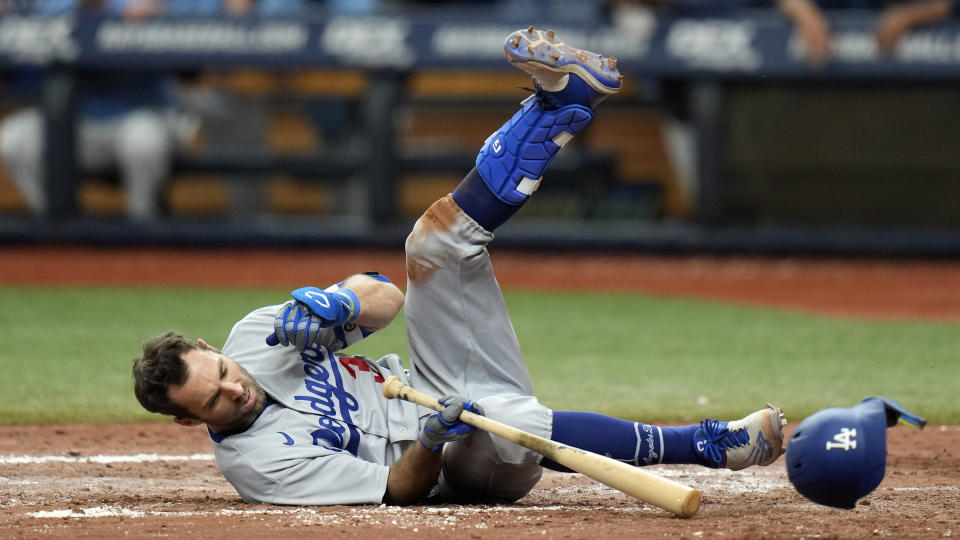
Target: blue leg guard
[513,159]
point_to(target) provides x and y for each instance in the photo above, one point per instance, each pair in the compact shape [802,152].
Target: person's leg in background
[21,146]
[144,150]
[138,144]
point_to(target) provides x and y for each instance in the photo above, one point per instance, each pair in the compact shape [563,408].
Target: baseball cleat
[754,440]
[562,75]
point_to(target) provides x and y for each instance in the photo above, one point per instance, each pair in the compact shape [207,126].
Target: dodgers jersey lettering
[327,434]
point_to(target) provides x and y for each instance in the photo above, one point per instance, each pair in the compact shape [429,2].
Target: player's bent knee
[442,236]
[489,468]
[473,472]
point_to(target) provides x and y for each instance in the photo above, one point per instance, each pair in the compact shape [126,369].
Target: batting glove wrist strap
[445,426]
[332,307]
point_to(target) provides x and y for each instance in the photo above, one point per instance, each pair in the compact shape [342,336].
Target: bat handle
[673,496]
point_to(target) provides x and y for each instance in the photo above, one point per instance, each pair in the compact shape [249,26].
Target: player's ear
[188,422]
[206,345]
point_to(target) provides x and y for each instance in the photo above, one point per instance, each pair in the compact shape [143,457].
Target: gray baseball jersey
[328,436]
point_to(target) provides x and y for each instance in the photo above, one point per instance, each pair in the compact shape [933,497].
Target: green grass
[653,358]
[67,353]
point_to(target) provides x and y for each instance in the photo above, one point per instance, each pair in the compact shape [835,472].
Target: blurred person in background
[232,122]
[894,20]
[125,122]
[673,97]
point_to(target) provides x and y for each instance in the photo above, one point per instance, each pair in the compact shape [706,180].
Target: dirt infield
[159,479]
[106,481]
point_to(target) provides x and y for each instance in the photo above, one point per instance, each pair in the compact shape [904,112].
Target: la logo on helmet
[845,440]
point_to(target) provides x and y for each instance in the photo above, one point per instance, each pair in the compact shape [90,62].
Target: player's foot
[562,75]
[754,440]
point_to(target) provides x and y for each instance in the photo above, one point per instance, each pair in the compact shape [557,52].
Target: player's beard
[247,417]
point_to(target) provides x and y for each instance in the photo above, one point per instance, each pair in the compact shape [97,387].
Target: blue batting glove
[333,308]
[445,426]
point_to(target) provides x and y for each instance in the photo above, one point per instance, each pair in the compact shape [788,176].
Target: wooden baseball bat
[677,498]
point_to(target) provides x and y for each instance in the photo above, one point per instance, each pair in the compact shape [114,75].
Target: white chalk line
[384,511]
[731,482]
[445,514]
[101,458]
[755,482]
[448,514]
[926,488]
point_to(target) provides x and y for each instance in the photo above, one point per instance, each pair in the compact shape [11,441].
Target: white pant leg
[96,144]
[144,147]
[22,145]
[461,341]
[680,140]
[140,144]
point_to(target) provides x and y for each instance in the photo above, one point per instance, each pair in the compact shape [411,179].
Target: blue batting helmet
[839,455]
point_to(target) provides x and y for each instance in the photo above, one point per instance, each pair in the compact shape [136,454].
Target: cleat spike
[563,75]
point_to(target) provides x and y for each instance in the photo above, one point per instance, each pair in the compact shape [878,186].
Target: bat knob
[392,387]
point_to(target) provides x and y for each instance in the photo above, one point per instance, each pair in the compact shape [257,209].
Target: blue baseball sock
[631,442]
[477,201]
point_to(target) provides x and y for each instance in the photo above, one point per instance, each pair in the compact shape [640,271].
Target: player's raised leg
[568,84]
[458,330]
[454,306]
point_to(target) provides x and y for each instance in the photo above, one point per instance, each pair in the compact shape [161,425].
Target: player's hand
[332,307]
[445,426]
[295,325]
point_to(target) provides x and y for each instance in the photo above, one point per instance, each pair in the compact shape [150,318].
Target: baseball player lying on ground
[295,421]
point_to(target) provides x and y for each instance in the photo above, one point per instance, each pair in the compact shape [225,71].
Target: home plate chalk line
[706,480]
[100,458]
[313,514]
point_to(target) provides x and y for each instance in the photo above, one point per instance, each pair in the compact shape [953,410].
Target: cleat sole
[528,49]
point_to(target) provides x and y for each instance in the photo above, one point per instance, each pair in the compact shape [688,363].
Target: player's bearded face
[218,391]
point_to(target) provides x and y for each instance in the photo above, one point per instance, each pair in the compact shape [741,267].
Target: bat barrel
[678,498]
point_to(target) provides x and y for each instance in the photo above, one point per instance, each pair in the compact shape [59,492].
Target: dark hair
[160,367]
